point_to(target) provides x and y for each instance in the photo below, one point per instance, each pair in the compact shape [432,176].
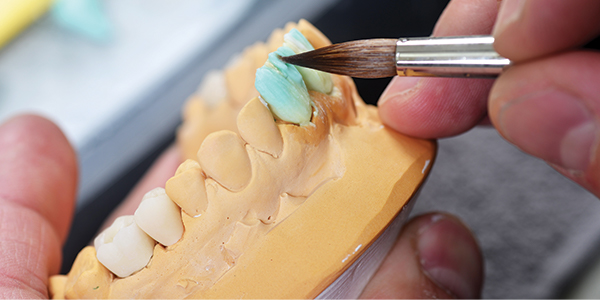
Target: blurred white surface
[87,87]
[82,85]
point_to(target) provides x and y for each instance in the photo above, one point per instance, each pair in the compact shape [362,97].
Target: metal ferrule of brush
[458,56]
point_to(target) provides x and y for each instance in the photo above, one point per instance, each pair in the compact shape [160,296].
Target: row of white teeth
[128,244]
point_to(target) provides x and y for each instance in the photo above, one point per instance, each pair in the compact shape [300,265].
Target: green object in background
[85,17]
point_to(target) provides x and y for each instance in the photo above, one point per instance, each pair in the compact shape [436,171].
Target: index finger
[37,191]
[442,107]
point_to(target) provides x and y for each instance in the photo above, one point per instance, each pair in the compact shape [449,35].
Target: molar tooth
[187,188]
[124,248]
[159,217]
[257,127]
[223,157]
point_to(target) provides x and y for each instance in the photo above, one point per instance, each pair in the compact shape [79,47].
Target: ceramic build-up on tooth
[285,87]
[315,80]
[282,87]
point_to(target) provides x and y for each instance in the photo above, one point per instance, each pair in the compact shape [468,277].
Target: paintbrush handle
[459,56]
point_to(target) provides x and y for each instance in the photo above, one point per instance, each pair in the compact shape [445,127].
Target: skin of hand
[547,103]
[435,256]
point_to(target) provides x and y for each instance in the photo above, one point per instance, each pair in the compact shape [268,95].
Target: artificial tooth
[282,87]
[187,188]
[160,217]
[223,157]
[124,248]
[213,88]
[314,80]
[257,127]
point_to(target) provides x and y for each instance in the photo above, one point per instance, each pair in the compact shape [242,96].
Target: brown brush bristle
[373,58]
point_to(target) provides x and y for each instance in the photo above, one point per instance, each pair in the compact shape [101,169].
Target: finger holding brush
[546,99]
[442,107]
[423,107]
[547,103]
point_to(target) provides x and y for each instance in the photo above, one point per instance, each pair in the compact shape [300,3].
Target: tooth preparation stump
[282,190]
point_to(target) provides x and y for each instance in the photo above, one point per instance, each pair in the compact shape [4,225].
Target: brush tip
[372,58]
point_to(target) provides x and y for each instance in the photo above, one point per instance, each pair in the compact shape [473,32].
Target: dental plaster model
[277,205]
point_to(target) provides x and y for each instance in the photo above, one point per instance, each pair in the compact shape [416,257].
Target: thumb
[37,190]
[435,256]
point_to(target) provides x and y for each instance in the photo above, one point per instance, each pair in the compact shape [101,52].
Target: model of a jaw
[267,208]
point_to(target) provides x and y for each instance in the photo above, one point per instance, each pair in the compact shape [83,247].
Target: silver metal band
[458,56]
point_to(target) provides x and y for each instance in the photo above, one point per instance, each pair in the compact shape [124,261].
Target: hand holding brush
[546,99]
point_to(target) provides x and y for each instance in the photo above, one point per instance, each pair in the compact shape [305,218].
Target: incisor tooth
[160,217]
[187,188]
[124,248]
[257,127]
[223,157]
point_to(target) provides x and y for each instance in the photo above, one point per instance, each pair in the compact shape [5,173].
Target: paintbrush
[458,56]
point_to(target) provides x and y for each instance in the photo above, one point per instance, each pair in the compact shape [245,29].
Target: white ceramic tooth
[160,217]
[124,248]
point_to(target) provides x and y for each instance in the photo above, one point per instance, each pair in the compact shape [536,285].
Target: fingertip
[450,255]
[39,169]
[434,107]
[37,192]
[435,256]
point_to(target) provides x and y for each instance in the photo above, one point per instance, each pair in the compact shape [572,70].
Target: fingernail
[449,256]
[510,11]
[552,125]
[399,88]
